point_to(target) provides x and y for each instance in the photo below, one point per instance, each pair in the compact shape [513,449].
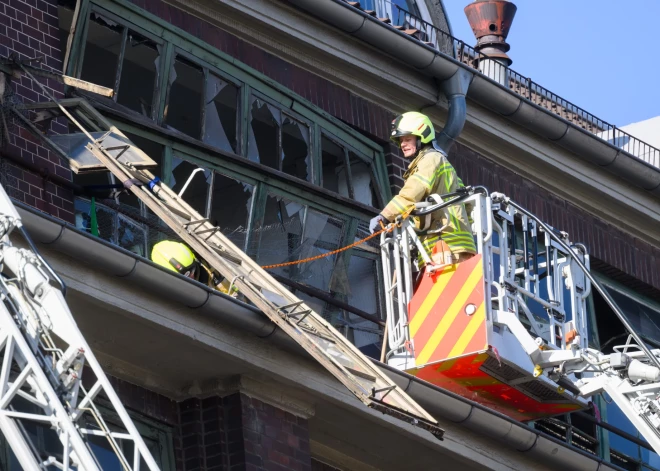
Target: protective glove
[374,224]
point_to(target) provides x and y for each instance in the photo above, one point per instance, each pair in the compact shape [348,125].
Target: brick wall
[615,250]
[238,432]
[339,102]
[29,28]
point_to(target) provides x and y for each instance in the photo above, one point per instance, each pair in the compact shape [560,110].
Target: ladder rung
[196,221]
[223,253]
[289,306]
[360,373]
[206,231]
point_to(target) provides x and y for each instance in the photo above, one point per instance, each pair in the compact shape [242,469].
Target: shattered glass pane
[105,218]
[323,233]
[131,235]
[231,204]
[197,191]
[101,51]
[295,148]
[221,105]
[184,107]
[364,185]
[138,74]
[363,294]
[264,133]
[280,236]
[335,177]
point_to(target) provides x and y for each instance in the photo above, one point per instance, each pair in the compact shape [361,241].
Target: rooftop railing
[410,23]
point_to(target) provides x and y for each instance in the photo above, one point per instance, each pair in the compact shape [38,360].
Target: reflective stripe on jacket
[428,174]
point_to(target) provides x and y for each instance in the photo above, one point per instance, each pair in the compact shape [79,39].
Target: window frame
[176,41]
[147,428]
[75,66]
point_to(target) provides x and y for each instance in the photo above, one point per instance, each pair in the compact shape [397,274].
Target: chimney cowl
[490,21]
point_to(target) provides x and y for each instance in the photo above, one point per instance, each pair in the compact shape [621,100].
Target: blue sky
[600,54]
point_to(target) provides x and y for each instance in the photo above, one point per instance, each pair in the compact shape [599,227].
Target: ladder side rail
[246,269]
[615,389]
[502,298]
[40,307]
[68,434]
[56,310]
[386,242]
[398,280]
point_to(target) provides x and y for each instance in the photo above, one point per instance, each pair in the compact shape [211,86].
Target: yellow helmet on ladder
[177,257]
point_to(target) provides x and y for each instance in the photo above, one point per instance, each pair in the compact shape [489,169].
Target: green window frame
[175,41]
[359,150]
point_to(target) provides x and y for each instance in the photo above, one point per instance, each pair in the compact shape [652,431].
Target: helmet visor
[191,271]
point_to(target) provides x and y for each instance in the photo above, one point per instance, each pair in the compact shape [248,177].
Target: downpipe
[455,89]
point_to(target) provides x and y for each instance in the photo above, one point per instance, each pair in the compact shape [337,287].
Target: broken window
[295,148]
[335,170]
[123,220]
[362,293]
[102,50]
[231,206]
[264,137]
[121,59]
[220,114]
[196,180]
[278,140]
[184,106]
[138,74]
[363,181]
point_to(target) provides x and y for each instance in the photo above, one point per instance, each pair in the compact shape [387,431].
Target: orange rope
[317,257]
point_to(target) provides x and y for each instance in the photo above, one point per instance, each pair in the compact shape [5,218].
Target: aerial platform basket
[461,330]
[456,348]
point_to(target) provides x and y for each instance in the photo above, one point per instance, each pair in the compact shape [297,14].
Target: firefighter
[429,173]
[178,257]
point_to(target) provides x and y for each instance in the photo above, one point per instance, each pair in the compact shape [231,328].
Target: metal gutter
[144,274]
[485,91]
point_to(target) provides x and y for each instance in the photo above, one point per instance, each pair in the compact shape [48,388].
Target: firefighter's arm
[416,188]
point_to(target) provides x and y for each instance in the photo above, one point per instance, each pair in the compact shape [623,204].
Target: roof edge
[117,261]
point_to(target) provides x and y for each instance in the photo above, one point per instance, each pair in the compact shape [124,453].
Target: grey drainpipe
[142,273]
[485,91]
[455,89]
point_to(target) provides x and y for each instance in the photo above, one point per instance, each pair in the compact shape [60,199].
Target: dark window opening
[295,148]
[278,140]
[123,221]
[263,142]
[198,184]
[138,74]
[184,107]
[335,172]
[231,206]
[221,110]
[104,39]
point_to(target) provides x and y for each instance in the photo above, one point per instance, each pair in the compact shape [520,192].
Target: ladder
[292,315]
[325,344]
[40,382]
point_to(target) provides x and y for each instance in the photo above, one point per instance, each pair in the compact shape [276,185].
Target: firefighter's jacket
[431,173]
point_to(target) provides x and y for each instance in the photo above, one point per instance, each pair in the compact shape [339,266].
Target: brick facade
[238,432]
[615,252]
[28,29]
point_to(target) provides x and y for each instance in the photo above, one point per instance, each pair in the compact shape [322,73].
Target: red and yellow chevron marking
[439,324]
